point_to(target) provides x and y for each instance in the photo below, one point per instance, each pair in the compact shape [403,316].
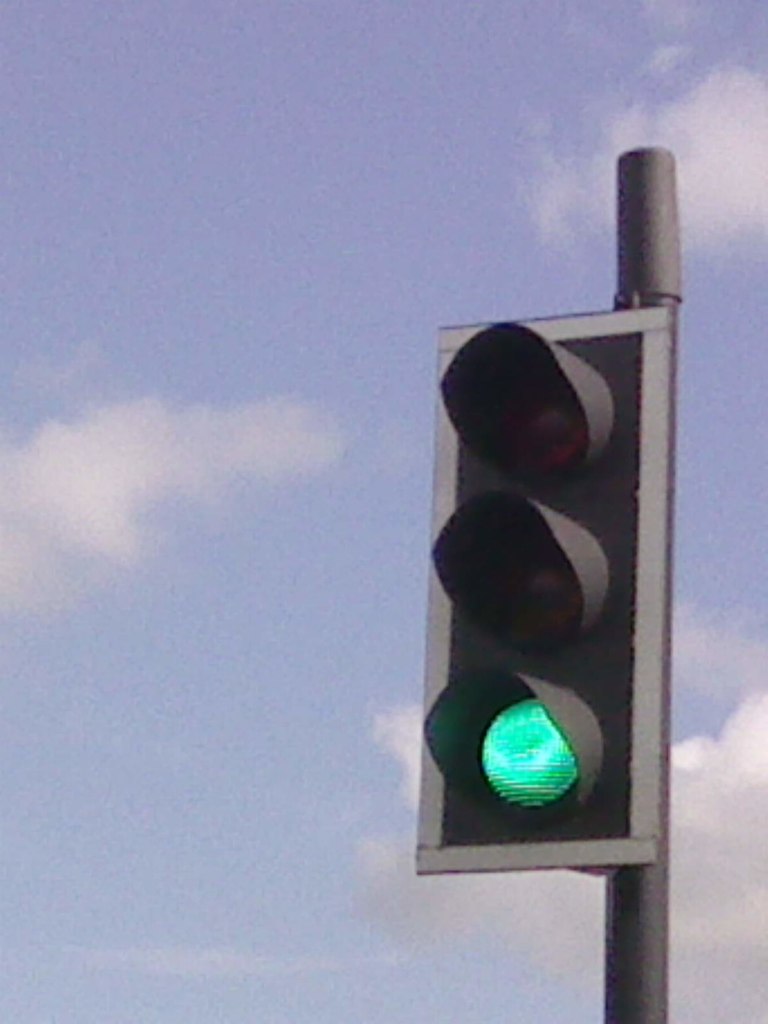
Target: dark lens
[500,563]
[512,405]
[544,438]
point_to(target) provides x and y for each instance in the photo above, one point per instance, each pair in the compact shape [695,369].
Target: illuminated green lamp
[526,758]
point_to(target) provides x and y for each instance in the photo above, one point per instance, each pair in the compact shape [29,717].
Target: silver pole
[637,910]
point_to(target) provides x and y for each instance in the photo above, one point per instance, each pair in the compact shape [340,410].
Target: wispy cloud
[397,732]
[42,374]
[76,497]
[675,15]
[554,920]
[665,59]
[215,962]
[717,128]
[724,654]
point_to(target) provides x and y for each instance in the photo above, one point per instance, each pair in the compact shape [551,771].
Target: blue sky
[231,232]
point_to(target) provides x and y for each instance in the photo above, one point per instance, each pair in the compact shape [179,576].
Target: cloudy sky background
[231,232]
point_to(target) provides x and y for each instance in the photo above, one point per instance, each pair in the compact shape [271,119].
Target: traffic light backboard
[549,594]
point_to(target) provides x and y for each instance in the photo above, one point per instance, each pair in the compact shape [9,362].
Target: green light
[526,758]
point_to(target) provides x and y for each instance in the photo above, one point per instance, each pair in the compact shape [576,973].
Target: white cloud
[211,963]
[74,498]
[718,131]
[719,868]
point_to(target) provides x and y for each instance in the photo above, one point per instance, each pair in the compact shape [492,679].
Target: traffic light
[549,594]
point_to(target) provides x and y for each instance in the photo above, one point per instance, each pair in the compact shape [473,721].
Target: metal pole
[637,911]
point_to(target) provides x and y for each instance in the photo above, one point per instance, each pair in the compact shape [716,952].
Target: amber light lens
[499,562]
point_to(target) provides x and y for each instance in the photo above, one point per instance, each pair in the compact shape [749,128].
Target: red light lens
[544,438]
[512,405]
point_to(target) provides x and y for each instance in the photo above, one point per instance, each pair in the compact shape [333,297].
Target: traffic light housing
[549,594]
